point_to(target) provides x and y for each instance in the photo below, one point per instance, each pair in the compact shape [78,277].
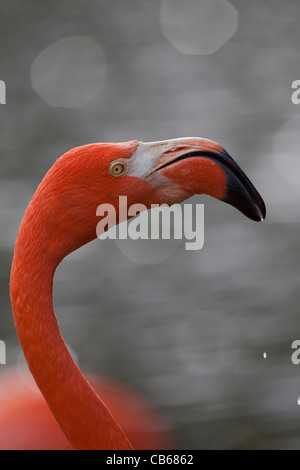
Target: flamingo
[61,217]
[26,422]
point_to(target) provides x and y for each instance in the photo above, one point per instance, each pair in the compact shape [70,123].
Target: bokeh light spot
[149,250]
[69,72]
[198,26]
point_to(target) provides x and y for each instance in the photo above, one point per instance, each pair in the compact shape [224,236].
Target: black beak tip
[261,212]
[243,196]
[259,216]
[241,193]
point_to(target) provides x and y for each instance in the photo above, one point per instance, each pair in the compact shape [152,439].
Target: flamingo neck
[77,408]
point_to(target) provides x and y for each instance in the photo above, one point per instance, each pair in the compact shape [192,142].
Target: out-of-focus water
[204,335]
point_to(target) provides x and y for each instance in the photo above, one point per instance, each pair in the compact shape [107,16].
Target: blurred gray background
[188,330]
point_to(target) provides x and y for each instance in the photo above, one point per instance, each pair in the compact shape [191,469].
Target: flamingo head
[168,171]
[174,170]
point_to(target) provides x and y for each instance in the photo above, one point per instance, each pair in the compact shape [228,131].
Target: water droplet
[298,401]
[265,355]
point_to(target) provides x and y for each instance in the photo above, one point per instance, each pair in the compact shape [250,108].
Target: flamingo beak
[201,166]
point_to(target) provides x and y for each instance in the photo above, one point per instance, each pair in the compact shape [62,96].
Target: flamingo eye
[117,169]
